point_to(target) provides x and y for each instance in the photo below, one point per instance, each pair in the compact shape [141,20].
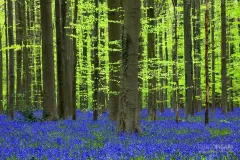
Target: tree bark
[224,57]
[128,113]
[206,61]
[152,109]
[1,75]
[114,56]
[96,64]
[10,107]
[49,99]
[197,56]
[188,57]
[74,100]
[213,55]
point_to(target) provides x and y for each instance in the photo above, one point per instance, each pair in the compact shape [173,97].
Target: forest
[119,79]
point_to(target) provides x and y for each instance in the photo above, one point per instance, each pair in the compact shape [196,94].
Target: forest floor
[85,139]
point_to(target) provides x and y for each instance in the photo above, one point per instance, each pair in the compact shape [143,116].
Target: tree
[19,36]
[188,57]
[213,55]
[114,32]
[224,56]
[49,99]
[96,64]
[10,108]
[74,107]
[1,74]
[152,109]
[175,61]
[128,110]
[197,55]
[206,61]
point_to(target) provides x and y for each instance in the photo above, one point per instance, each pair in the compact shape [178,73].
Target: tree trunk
[175,62]
[96,64]
[206,61]
[26,56]
[19,37]
[7,51]
[74,101]
[161,106]
[152,109]
[49,99]
[114,56]
[224,57]
[1,75]
[128,115]
[10,107]
[188,57]
[197,56]
[213,55]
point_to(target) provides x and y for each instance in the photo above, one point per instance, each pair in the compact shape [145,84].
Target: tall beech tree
[175,61]
[188,57]
[128,110]
[114,32]
[152,108]
[224,56]
[197,55]
[1,74]
[49,98]
[206,60]
[74,100]
[10,107]
[96,64]
[213,55]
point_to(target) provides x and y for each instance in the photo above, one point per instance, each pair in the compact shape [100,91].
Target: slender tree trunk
[96,64]
[1,75]
[188,57]
[19,37]
[161,70]
[175,103]
[166,73]
[128,115]
[152,109]
[7,51]
[10,107]
[26,55]
[213,56]
[114,56]
[74,101]
[60,60]
[49,99]
[224,57]
[206,61]
[197,56]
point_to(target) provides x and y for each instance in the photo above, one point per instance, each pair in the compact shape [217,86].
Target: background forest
[130,61]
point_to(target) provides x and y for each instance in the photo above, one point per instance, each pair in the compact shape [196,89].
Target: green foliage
[219,132]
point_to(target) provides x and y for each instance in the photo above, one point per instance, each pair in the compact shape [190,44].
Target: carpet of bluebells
[85,139]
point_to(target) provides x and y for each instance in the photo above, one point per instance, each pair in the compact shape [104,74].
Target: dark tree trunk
[1,75]
[96,64]
[49,99]
[197,56]
[161,105]
[224,57]
[206,61]
[74,107]
[213,55]
[114,57]
[128,115]
[7,51]
[175,62]
[188,57]
[166,73]
[19,37]
[152,109]
[10,107]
